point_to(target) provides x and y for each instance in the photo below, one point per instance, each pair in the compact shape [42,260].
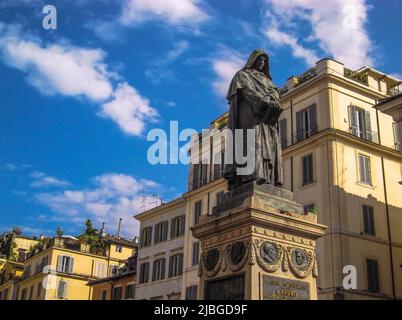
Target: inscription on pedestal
[275,288]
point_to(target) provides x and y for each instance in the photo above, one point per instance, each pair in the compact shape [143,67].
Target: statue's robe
[254,104]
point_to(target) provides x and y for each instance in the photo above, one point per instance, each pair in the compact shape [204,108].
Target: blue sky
[76,103]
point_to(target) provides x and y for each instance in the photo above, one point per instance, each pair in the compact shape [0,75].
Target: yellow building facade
[342,162]
[62,270]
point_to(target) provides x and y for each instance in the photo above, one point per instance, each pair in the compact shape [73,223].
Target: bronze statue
[254,104]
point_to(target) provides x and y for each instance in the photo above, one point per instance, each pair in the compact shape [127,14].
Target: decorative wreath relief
[237,255]
[211,262]
[269,255]
[301,262]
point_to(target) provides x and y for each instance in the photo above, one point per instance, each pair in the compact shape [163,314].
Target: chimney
[102,231]
[119,229]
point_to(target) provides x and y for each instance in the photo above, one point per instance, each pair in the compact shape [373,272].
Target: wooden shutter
[299,126]
[368,214]
[60,263]
[172,223]
[196,178]
[282,132]
[352,120]
[165,230]
[154,265]
[171,266]
[367,121]
[163,262]
[372,275]
[304,169]
[180,265]
[71,265]
[313,117]
[395,128]
[182,225]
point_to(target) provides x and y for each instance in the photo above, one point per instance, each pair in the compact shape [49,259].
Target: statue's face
[260,63]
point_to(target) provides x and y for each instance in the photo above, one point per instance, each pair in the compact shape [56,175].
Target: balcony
[356,76]
[309,74]
[305,133]
[364,134]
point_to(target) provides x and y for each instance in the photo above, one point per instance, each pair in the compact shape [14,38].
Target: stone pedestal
[258,245]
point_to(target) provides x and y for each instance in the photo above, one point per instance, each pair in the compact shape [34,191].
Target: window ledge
[365,184]
[308,185]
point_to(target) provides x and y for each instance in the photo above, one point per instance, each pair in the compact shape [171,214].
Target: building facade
[341,161]
[61,267]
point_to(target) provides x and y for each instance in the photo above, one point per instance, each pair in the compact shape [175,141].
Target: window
[219,165]
[62,290]
[191,293]
[219,197]
[177,227]
[161,230]
[175,265]
[196,253]
[24,294]
[395,128]
[116,293]
[27,272]
[372,276]
[282,133]
[200,175]
[144,272]
[368,219]
[306,123]
[31,290]
[308,208]
[158,271]
[146,237]
[39,290]
[360,123]
[100,269]
[21,255]
[65,264]
[307,169]
[364,169]
[104,295]
[114,270]
[119,248]
[197,211]
[130,291]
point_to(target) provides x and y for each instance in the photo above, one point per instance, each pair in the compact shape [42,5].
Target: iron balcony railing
[364,134]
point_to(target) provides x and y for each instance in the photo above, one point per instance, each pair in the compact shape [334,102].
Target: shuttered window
[307,169]
[144,272]
[161,231]
[395,128]
[177,227]
[158,270]
[368,219]
[197,211]
[191,293]
[146,237]
[219,197]
[360,123]
[116,293]
[65,264]
[372,276]
[200,175]
[104,294]
[176,265]
[196,253]
[130,292]
[62,289]
[364,169]
[219,163]
[306,123]
[282,133]
[100,269]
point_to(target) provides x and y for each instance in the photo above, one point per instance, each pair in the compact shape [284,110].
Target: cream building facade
[342,162]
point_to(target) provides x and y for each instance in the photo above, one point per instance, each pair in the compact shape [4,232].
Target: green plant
[91,237]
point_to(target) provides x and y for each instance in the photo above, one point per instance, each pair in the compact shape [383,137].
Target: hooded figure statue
[254,104]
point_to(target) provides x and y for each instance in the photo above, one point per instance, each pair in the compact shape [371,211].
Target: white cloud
[65,70]
[298,51]
[174,12]
[113,196]
[129,110]
[225,68]
[41,180]
[76,72]
[338,27]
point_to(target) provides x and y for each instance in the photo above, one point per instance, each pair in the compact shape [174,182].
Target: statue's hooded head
[253,58]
